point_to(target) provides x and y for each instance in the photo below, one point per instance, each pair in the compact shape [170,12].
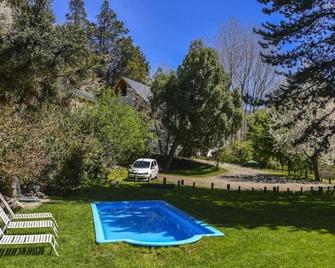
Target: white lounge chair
[26,224]
[13,240]
[26,216]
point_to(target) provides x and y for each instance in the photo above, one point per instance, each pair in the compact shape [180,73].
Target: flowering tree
[314,119]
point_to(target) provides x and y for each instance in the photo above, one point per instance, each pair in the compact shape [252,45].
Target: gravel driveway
[244,177]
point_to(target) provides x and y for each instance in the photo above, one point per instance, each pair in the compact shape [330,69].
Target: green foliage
[118,173]
[301,46]
[260,137]
[123,132]
[23,155]
[120,57]
[239,153]
[196,105]
[72,150]
[132,63]
[77,14]
[109,29]
[48,136]
[41,61]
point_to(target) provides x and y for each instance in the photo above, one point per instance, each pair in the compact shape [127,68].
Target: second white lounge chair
[26,216]
[26,224]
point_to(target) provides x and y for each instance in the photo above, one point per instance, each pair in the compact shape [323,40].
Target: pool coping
[99,235]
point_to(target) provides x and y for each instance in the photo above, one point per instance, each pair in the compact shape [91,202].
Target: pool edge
[99,236]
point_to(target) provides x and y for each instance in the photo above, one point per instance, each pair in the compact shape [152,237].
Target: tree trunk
[160,145]
[171,155]
[315,164]
[289,167]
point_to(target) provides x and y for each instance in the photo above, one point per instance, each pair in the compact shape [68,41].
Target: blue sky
[165,28]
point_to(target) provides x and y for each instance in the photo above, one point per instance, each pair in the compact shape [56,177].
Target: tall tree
[239,52]
[305,51]
[77,14]
[41,60]
[200,111]
[109,29]
[293,122]
[259,124]
[129,61]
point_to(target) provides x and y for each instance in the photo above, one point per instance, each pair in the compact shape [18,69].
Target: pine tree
[109,29]
[302,45]
[42,61]
[195,105]
[130,62]
[77,14]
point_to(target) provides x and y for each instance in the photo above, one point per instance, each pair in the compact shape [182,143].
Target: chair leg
[54,249]
[55,231]
[54,220]
[54,246]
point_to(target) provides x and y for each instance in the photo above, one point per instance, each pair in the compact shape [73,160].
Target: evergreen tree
[120,56]
[109,29]
[77,14]
[196,105]
[130,62]
[42,61]
[305,45]
[302,46]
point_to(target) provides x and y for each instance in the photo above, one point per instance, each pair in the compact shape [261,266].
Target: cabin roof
[141,89]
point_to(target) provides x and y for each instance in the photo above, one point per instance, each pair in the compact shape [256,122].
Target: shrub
[123,132]
[238,153]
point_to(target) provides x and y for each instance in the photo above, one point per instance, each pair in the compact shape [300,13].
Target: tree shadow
[266,178]
[243,210]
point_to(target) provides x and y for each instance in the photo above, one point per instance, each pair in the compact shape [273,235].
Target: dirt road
[244,177]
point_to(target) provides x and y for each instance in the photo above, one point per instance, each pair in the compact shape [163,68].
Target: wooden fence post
[193,184]
[264,189]
[182,182]
[239,189]
[312,190]
[164,180]
[212,185]
[228,187]
[328,190]
[320,189]
[301,190]
[288,190]
[252,189]
[274,189]
[277,189]
[178,183]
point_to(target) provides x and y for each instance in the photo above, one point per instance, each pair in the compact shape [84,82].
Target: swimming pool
[147,223]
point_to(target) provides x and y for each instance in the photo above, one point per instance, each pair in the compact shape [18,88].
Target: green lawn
[189,167]
[261,230]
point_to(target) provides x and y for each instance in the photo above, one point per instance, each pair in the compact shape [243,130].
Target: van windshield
[141,164]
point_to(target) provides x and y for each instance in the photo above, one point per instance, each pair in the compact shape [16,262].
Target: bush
[238,153]
[123,132]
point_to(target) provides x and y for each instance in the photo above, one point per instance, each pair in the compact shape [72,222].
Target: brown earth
[244,177]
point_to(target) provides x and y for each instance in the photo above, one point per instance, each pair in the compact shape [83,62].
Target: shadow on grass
[11,252]
[188,167]
[230,209]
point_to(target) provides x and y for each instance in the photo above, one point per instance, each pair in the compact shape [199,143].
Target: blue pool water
[147,223]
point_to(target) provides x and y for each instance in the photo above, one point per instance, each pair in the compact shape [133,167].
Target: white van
[144,169]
